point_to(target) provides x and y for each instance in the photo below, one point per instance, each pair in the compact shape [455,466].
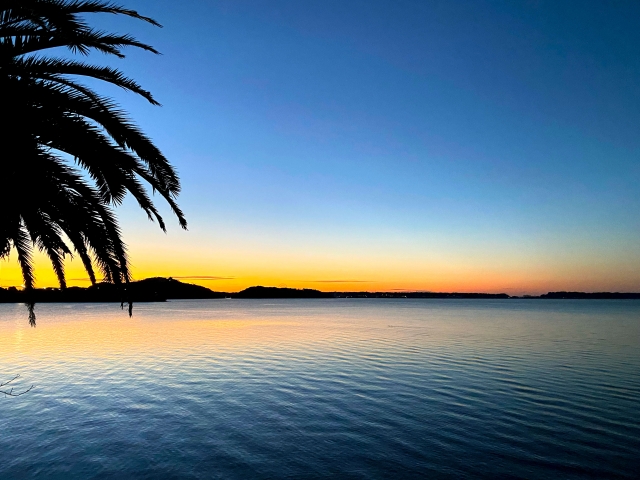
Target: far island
[158,289]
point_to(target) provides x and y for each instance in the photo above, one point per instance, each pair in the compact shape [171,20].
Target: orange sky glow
[229,271]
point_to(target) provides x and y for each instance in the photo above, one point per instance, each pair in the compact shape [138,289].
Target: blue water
[349,388]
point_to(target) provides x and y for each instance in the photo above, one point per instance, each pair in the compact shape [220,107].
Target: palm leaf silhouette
[72,154]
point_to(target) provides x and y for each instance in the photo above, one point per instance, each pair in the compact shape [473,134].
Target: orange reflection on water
[104,331]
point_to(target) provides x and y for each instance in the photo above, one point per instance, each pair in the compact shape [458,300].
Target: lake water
[350,388]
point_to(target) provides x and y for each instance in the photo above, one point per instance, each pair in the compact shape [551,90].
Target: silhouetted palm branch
[56,128]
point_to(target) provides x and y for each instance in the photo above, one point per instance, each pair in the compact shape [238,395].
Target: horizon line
[394,290]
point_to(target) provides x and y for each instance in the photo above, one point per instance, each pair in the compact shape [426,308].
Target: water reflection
[306,388]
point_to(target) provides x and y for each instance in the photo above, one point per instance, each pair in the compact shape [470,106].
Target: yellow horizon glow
[233,273]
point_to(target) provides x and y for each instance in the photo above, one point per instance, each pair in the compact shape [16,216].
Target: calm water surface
[348,388]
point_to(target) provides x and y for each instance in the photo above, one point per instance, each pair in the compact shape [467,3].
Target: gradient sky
[450,145]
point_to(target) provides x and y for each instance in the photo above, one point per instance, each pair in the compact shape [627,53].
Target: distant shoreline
[160,289]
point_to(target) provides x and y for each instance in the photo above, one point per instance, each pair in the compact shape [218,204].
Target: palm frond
[108,116]
[47,236]
[51,202]
[61,10]
[54,70]
[21,242]
[81,42]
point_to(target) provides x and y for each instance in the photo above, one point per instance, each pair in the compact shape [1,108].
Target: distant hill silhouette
[170,288]
[275,292]
[417,295]
[159,289]
[155,289]
[591,296]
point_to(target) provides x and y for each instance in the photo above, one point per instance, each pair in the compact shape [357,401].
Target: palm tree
[69,155]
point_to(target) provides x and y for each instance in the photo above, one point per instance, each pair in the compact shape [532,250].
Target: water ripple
[307,389]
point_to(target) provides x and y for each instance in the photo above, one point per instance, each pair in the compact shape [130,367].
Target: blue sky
[417,145]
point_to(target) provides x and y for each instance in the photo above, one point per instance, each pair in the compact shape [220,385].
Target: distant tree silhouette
[69,155]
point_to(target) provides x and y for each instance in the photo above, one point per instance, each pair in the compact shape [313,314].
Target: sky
[487,146]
